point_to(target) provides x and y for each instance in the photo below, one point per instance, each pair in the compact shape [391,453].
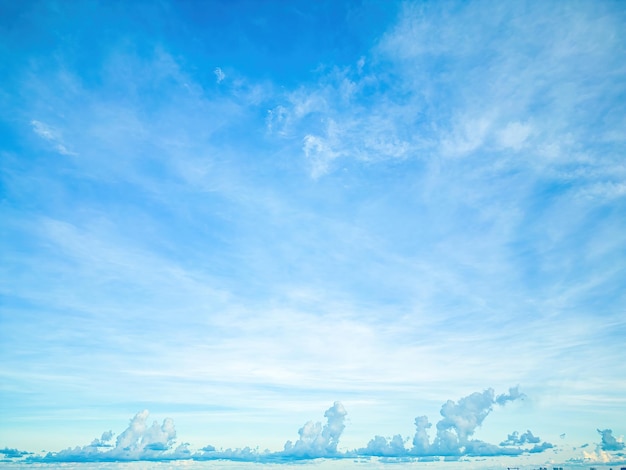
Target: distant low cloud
[380,446]
[609,442]
[516,440]
[540,448]
[104,441]
[13,453]
[458,424]
[453,432]
[607,451]
[141,441]
[316,441]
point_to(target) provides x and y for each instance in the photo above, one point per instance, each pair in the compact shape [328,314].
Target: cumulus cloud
[516,440]
[421,440]
[104,441]
[142,441]
[139,441]
[514,394]
[453,432]
[540,448]
[138,438]
[609,442]
[381,446]
[459,423]
[453,439]
[318,441]
[608,450]
[315,441]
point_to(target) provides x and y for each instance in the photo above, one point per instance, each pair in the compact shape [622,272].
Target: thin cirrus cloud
[421,94]
[52,136]
[436,207]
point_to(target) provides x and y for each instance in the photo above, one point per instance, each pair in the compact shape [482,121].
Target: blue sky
[235,214]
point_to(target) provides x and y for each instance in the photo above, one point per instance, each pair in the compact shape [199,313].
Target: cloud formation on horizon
[143,442]
[453,439]
[609,442]
[139,441]
[316,441]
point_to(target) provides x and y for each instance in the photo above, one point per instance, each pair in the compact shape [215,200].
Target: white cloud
[468,135]
[219,75]
[597,456]
[380,446]
[608,451]
[455,430]
[319,153]
[515,439]
[138,437]
[137,442]
[141,441]
[514,135]
[609,442]
[420,253]
[317,441]
[443,81]
[51,135]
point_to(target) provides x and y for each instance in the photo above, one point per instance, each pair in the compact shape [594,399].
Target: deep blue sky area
[326,229]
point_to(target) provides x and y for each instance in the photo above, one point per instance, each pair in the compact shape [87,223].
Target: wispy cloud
[219,75]
[609,442]
[316,441]
[51,135]
[435,206]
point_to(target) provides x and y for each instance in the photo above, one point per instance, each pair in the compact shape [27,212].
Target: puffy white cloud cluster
[380,446]
[609,442]
[453,439]
[516,440]
[316,441]
[139,441]
[608,450]
[454,431]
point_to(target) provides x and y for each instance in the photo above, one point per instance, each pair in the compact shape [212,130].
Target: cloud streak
[52,136]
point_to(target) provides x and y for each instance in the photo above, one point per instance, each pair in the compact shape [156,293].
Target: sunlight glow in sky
[240,215]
